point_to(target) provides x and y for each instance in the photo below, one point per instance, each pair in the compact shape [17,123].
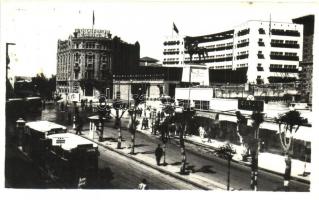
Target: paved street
[200,161]
[127,174]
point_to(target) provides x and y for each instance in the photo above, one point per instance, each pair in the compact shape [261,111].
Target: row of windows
[242,65]
[242,45]
[285,66]
[276,53]
[171,59]
[169,50]
[91,45]
[243,56]
[243,32]
[214,56]
[219,45]
[284,41]
[285,32]
[170,62]
[222,67]
[242,52]
[171,53]
[243,41]
[172,43]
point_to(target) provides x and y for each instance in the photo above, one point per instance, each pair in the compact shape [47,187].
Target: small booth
[95,125]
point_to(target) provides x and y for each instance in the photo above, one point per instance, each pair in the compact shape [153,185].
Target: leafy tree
[227,152]
[138,91]
[117,105]
[289,124]
[45,87]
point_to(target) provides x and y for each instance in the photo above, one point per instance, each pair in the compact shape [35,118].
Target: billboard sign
[252,105]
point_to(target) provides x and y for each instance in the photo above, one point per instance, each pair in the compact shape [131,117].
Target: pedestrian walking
[79,125]
[143,185]
[158,154]
[209,135]
[201,133]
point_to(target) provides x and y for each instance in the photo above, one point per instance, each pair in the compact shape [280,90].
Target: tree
[138,91]
[257,118]
[181,120]
[289,124]
[241,124]
[227,152]
[241,133]
[117,105]
[45,87]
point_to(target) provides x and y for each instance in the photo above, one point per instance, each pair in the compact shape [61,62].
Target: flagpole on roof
[172,30]
[93,22]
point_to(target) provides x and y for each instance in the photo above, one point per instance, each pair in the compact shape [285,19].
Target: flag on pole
[175,28]
[93,18]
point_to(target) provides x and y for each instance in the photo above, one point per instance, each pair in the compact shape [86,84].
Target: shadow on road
[147,152]
[140,145]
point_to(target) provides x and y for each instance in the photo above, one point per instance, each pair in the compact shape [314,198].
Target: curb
[156,168]
[248,164]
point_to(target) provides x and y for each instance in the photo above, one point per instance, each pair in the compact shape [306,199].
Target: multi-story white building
[253,52]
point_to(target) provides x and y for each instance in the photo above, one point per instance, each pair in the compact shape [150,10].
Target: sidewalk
[277,164]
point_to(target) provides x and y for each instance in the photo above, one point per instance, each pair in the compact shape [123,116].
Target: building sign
[196,74]
[92,33]
[74,97]
[251,105]
[214,116]
[60,141]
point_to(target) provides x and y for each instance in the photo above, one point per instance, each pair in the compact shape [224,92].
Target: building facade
[254,52]
[307,58]
[87,60]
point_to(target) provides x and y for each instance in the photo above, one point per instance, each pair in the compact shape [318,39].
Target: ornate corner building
[88,59]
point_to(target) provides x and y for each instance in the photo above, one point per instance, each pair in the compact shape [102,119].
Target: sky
[35,26]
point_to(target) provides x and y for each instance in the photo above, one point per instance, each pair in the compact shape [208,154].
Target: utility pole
[7,63]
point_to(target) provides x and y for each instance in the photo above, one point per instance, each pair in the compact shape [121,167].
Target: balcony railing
[170,52]
[285,45]
[242,56]
[276,69]
[284,57]
[285,32]
[244,44]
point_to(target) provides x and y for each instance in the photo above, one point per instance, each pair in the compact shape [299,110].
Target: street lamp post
[129,89]
[20,127]
[153,121]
